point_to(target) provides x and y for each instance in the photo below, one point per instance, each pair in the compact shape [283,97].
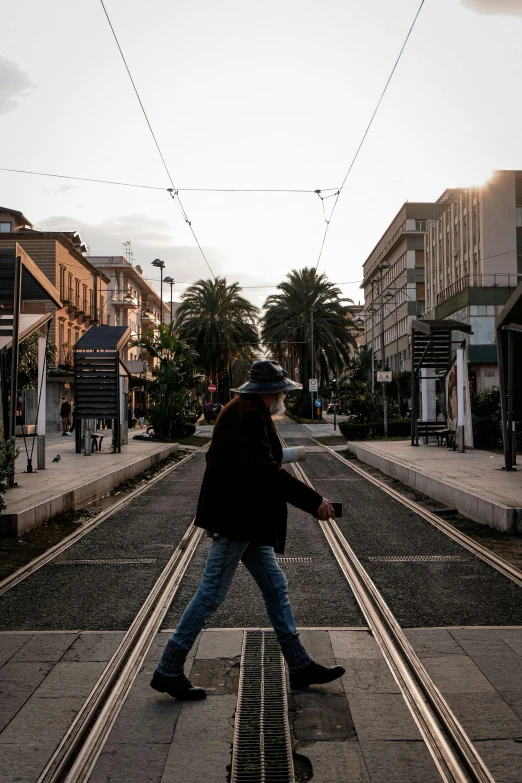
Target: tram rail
[76,755]
[453,752]
[46,557]
[506,569]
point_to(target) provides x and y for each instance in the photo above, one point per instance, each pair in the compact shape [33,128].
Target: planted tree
[176,374]
[222,326]
[308,301]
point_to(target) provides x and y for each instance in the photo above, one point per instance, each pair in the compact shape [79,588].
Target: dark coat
[245,490]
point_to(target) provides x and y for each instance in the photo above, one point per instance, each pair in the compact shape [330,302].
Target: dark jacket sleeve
[257,455]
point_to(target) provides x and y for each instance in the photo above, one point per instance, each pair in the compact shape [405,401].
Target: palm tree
[287,325]
[222,324]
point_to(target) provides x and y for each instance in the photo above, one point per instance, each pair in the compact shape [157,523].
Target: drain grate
[420,559]
[294,559]
[262,751]
[109,561]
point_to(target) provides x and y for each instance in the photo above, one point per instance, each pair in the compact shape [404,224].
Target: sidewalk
[74,480]
[473,482]
[355,730]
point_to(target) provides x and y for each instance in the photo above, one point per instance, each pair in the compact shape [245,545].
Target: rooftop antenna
[129,255]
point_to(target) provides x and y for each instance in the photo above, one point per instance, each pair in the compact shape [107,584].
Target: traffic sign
[312,384]
[384,376]
[212,387]
[318,403]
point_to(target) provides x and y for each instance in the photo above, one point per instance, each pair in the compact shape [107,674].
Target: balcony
[149,319]
[125,300]
[496,280]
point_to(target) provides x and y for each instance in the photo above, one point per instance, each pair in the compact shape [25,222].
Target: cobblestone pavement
[356,729]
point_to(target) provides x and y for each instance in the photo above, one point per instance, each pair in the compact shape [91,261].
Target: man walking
[65,415]
[242,505]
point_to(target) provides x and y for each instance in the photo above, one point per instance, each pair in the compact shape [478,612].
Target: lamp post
[161,266]
[171,281]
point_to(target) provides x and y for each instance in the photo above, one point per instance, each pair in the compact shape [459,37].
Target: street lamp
[171,281]
[161,266]
[382,266]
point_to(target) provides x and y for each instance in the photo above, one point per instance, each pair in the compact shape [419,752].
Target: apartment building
[131,301]
[60,255]
[473,257]
[393,283]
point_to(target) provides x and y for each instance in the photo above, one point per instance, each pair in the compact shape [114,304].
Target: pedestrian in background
[242,506]
[65,415]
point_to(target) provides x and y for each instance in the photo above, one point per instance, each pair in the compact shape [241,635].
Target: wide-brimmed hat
[267,377]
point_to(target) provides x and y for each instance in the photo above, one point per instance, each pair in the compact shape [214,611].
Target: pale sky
[242,94]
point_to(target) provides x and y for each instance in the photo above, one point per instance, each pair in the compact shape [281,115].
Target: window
[420,225]
[5,228]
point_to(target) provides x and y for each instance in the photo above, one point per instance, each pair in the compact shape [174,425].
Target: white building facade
[473,262]
[131,301]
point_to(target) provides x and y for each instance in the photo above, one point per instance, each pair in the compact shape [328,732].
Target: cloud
[14,85]
[497,7]
[152,238]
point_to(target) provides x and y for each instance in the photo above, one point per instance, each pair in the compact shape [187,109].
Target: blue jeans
[223,559]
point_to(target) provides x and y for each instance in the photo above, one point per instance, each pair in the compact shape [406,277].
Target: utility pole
[384,396]
[312,349]
[373,344]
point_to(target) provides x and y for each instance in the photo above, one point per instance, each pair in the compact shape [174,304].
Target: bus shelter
[436,346]
[22,281]
[99,388]
[509,349]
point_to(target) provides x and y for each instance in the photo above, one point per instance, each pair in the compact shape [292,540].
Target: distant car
[331,408]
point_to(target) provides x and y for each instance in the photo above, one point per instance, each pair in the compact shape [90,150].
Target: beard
[278,405]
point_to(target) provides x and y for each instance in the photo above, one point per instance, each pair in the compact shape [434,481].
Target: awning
[35,285]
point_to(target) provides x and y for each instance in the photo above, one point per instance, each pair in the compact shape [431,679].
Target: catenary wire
[366,132]
[167,190]
[173,192]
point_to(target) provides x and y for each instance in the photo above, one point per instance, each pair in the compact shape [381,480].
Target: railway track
[77,753]
[451,749]
[46,557]
[506,569]
[453,752]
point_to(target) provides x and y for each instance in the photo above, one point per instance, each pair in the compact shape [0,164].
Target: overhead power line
[366,132]
[157,187]
[83,179]
[173,192]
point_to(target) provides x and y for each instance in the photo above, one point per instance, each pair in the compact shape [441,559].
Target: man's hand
[325,510]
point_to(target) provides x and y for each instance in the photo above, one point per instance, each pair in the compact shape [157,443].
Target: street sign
[318,403]
[384,376]
[312,384]
[212,387]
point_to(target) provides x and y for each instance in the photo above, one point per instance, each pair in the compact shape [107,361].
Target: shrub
[397,428]
[8,454]
[487,432]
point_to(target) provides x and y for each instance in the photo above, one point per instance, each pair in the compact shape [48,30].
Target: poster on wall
[451,382]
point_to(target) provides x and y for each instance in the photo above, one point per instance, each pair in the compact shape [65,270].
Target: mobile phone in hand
[338,508]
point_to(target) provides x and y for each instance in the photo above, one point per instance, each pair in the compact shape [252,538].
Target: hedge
[397,428]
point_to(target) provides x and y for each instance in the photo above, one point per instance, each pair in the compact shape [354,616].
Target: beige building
[473,253]
[393,283]
[60,255]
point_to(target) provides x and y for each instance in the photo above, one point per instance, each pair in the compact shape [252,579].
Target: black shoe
[314,674]
[179,687]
